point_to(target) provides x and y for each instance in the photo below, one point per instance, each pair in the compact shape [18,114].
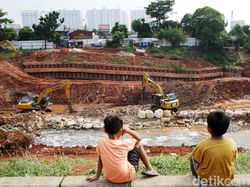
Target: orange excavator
[42,101]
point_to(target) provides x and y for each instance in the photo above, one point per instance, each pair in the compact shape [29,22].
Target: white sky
[241,8]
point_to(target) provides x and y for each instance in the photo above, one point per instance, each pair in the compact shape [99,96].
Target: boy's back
[114,155]
[215,158]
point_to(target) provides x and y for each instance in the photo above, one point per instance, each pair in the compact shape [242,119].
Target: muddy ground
[220,93]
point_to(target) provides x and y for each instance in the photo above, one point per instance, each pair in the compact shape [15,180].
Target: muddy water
[167,137]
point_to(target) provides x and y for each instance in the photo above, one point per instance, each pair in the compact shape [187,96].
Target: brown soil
[198,94]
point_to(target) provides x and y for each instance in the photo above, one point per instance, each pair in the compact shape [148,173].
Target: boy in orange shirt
[120,158]
[212,160]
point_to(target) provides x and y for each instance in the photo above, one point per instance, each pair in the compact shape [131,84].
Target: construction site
[109,81]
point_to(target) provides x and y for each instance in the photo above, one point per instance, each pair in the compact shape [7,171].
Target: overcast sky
[240,8]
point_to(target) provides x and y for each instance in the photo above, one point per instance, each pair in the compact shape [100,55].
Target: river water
[174,136]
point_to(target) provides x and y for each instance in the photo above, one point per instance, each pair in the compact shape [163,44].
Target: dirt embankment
[15,83]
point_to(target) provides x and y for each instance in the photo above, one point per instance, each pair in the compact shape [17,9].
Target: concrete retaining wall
[80,181]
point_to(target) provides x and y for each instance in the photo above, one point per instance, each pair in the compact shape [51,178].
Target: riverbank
[59,161]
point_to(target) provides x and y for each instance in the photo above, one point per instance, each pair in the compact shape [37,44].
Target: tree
[170,24]
[238,34]
[120,28]
[187,24]
[173,35]
[209,26]
[159,11]
[46,29]
[117,37]
[7,34]
[143,29]
[246,29]
[25,33]
[2,19]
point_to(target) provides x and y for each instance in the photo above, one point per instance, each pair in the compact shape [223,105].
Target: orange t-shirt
[114,156]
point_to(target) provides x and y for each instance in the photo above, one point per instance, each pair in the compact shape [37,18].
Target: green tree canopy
[46,29]
[238,35]
[173,35]
[25,33]
[4,20]
[170,24]
[7,34]
[143,29]
[187,23]
[159,10]
[209,26]
[120,28]
[117,37]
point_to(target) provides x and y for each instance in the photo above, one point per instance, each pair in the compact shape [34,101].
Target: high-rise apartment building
[139,14]
[124,19]
[236,22]
[29,17]
[95,17]
[72,19]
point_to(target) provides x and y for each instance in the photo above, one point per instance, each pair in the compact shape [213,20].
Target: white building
[72,19]
[139,14]
[14,26]
[95,17]
[29,17]
[125,18]
[236,22]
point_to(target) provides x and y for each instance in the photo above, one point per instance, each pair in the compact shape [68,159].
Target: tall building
[14,26]
[29,17]
[95,17]
[72,19]
[139,14]
[236,22]
[124,19]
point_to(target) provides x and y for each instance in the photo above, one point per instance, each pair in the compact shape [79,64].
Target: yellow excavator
[160,100]
[42,101]
[8,43]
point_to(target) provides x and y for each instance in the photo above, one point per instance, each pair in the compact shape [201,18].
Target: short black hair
[112,124]
[218,122]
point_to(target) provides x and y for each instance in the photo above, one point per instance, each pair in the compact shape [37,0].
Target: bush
[128,49]
[109,43]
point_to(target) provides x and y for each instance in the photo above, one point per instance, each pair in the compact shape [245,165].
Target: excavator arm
[148,80]
[64,85]
[8,43]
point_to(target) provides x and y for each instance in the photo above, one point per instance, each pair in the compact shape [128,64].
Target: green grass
[220,57]
[164,164]
[242,163]
[171,165]
[117,60]
[147,63]
[68,59]
[35,167]
[6,54]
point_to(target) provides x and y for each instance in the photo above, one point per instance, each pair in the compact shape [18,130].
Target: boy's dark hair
[218,122]
[112,124]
